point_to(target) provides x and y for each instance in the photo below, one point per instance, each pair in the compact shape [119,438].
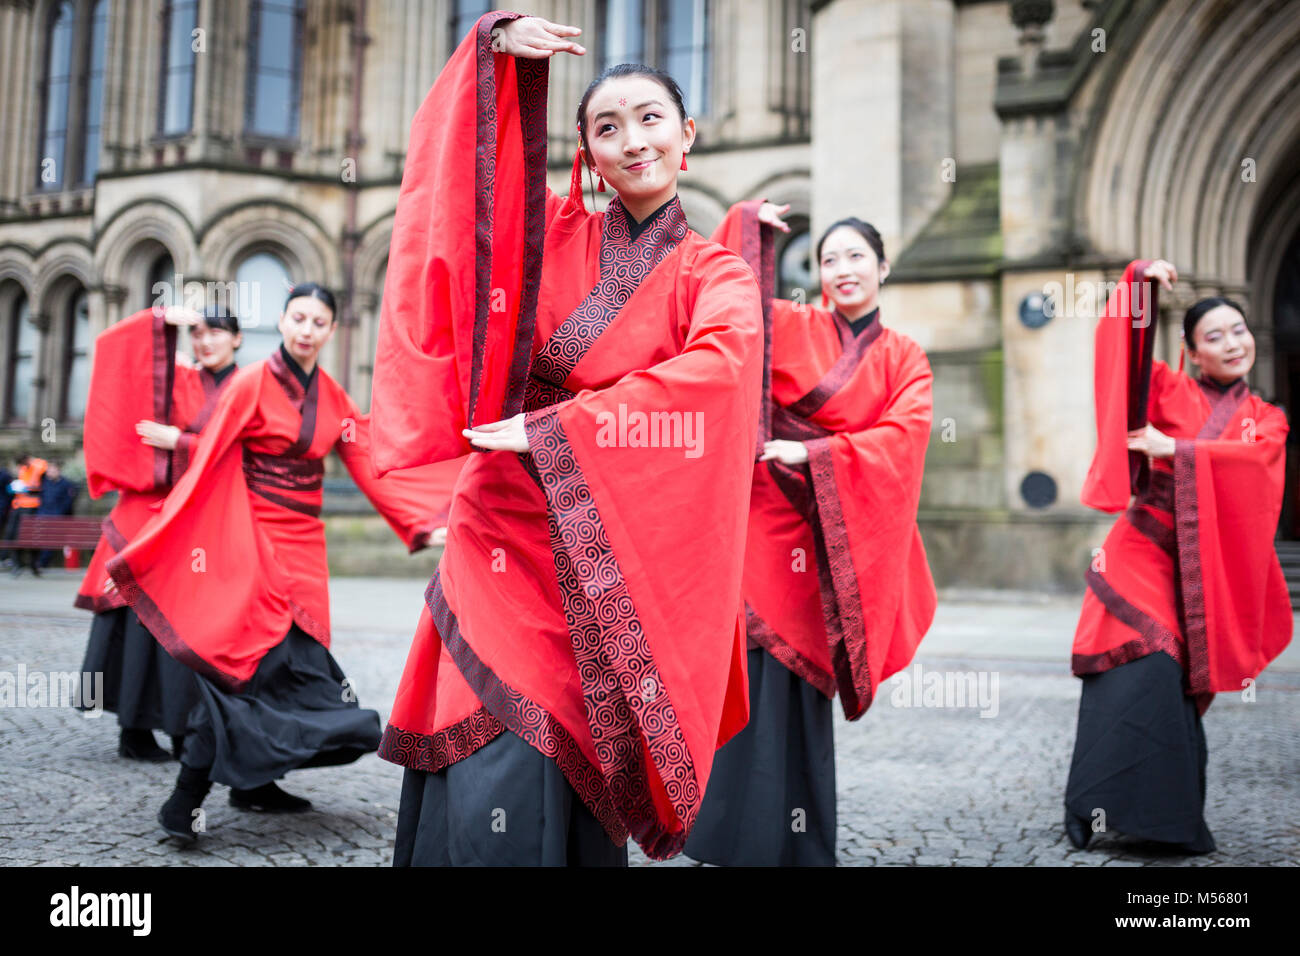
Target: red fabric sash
[578,604]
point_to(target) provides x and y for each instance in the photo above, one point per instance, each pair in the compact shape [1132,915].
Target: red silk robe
[237,552]
[589,597]
[837,586]
[1189,568]
[135,377]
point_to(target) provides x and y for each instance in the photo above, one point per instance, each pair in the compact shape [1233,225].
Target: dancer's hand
[109,585]
[535,39]
[786,452]
[439,537]
[771,214]
[157,435]
[1151,441]
[1162,272]
[180,315]
[507,435]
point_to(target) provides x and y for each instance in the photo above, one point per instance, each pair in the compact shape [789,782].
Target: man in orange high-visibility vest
[26,489]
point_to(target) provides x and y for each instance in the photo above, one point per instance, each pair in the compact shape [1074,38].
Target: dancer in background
[1186,598]
[232,577]
[838,593]
[143,417]
[581,655]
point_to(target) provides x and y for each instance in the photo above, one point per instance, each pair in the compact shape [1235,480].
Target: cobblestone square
[918,785]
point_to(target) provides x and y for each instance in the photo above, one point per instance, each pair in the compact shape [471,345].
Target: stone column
[886,65]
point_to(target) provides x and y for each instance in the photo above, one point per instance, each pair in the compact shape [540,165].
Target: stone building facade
[155,147]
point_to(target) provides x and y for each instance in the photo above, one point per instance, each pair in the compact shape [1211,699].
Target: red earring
[600,183]
[826,302]
[683,160]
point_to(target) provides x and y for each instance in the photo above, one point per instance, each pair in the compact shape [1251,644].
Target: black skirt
[297,711]
[1140,756]
[145,686]
[506,804]
[771,794]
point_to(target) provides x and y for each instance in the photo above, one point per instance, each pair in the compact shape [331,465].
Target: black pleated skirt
[145,686]
[771,794]
[1140,756]
[506,804]
[298,711]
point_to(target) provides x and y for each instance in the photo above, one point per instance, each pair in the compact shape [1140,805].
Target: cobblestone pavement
[917,784]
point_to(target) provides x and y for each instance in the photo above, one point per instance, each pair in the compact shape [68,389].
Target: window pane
[271,107]
[178,80]
[274,70]
[683,50]
[95,91]
[23,383]
[58,84]
[275,40]
[624,40]
[465,14]
[78,359]
[263,282]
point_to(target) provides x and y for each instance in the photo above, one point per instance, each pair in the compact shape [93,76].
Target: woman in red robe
[838,593]
[1186,598]
[581,653]
[143,419]
[231,575]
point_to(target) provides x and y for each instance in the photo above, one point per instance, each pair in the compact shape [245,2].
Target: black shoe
[178,743]
[269,799]
[1077,829]
[140,745]
[177,816]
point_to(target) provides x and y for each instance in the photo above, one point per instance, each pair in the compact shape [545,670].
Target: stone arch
[1203,87]
[372,254]
[129,243]
[57,265]
[242,229]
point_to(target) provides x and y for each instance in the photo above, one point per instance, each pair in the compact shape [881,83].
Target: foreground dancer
[581,655]
[1186,598]
[232,575]
[838,592]
[143,418]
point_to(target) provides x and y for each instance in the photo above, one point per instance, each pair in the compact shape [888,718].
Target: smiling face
[1222,345]
[850,272]
[213,347]
[636,138]
[306,324]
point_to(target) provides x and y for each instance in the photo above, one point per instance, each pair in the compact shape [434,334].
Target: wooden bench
[54,533]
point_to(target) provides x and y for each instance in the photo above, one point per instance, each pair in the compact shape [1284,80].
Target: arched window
[262,281]
[94,87]
[274,68]
[794,268]
[76,358]
[22,361]
[56,90]
[161,283]
[176,86]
